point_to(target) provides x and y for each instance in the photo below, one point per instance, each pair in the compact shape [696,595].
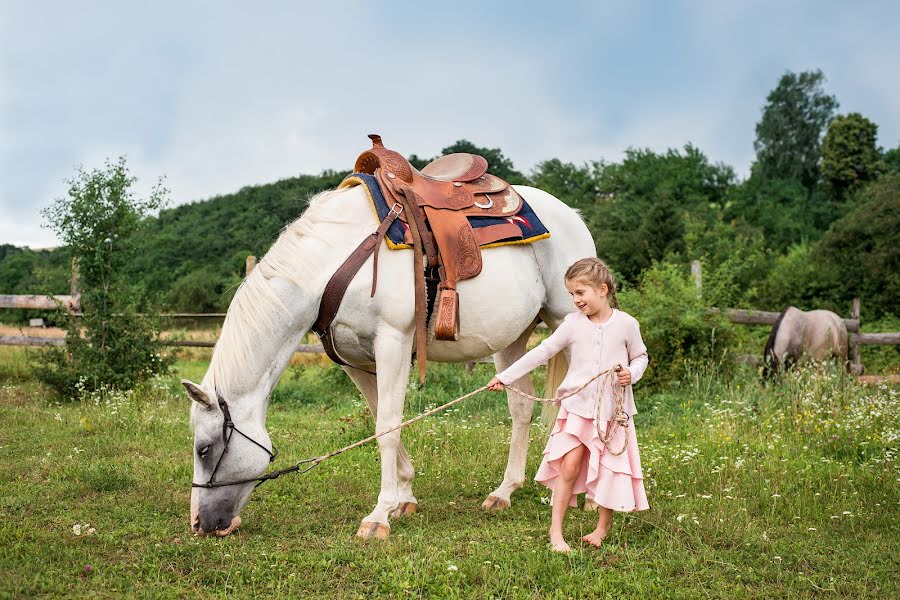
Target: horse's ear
[197,394]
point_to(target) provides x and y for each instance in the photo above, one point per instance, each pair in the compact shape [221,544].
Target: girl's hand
[624,377]
[496,385]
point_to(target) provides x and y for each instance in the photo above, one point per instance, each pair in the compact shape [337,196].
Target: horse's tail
[556,372]
[770,359]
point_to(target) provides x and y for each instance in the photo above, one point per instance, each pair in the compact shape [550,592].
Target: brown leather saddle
[435,204]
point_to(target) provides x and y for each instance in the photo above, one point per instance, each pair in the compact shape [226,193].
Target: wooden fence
[739,316]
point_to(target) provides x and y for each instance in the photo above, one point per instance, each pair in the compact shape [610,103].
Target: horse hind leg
[368,387]
[520,408]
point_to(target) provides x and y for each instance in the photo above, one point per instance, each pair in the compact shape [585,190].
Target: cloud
[216,96]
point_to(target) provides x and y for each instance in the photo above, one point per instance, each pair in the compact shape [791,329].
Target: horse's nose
[210,523]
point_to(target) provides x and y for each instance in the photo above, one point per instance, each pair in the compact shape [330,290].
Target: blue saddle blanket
[527,221]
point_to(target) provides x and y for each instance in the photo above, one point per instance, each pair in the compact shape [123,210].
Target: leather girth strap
[337,285]
[411,206]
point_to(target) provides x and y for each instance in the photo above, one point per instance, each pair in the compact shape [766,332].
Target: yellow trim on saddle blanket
[352,181]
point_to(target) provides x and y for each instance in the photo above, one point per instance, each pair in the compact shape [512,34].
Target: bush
[675,324]
[797,279]
[115,344]
[199,291]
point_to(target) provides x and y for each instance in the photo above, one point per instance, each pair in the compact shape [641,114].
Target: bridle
[331,301]
[228,430]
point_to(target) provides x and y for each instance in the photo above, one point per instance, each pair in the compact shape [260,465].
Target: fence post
[249,265]
[73,279]
[856,368]
[697,272]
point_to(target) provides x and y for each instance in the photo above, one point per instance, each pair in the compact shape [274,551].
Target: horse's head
[230,448]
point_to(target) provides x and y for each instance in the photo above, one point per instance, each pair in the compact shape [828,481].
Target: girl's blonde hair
[595,272]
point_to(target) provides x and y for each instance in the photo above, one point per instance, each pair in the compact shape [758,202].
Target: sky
[215,96]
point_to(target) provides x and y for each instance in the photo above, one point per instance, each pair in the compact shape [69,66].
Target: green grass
[790,491]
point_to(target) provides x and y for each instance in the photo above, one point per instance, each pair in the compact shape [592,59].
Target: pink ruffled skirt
[614,482]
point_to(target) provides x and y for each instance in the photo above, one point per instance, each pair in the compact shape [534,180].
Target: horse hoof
[377,531]
[590,505]
[405,508]
[493,503]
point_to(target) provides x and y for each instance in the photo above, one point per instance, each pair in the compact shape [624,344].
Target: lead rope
[620,417]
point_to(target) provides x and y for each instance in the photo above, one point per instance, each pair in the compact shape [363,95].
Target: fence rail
[35,302]
[30,340]
[738,316]
[763,317]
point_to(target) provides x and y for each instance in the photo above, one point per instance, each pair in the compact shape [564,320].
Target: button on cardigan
[592,348]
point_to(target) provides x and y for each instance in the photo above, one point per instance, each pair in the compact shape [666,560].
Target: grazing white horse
[519,286]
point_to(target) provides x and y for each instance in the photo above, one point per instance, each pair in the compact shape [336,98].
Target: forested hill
[816,223]
[196,252]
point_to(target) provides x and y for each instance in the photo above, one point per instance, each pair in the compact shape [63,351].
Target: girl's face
[587,298]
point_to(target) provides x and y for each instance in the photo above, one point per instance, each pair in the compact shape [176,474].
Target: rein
[620,419]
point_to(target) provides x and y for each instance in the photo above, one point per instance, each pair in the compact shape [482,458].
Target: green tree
[577,186]
[850,155]
[862,249]
[783,210]
[891,160]
[662,231]
[642,202]
[114,345]
[198,291]
[788,137]
[797,278]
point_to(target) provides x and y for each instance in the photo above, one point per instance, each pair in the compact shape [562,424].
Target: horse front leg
[520,408]
[392,352]
[368,387]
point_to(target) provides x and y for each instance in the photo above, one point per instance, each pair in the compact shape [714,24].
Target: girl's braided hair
[595,272]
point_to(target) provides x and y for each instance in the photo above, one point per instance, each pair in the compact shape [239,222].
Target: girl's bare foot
[595,538]
[558,544]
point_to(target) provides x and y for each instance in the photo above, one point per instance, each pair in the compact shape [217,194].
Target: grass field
[786,492]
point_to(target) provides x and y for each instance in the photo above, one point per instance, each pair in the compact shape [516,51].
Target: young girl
[598,336]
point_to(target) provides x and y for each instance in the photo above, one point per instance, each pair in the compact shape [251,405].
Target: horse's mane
[770,360]
[253,317]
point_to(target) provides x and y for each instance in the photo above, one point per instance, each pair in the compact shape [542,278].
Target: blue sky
[218,95]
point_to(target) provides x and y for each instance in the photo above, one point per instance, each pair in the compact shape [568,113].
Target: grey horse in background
[798,335]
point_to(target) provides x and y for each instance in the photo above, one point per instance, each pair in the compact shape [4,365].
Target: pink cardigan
[592,348]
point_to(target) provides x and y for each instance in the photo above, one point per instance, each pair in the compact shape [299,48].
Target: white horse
[519,286]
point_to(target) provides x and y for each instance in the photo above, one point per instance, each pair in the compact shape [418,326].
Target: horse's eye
[203,451]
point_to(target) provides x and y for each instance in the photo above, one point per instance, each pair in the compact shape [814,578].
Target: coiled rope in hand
[620,417]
